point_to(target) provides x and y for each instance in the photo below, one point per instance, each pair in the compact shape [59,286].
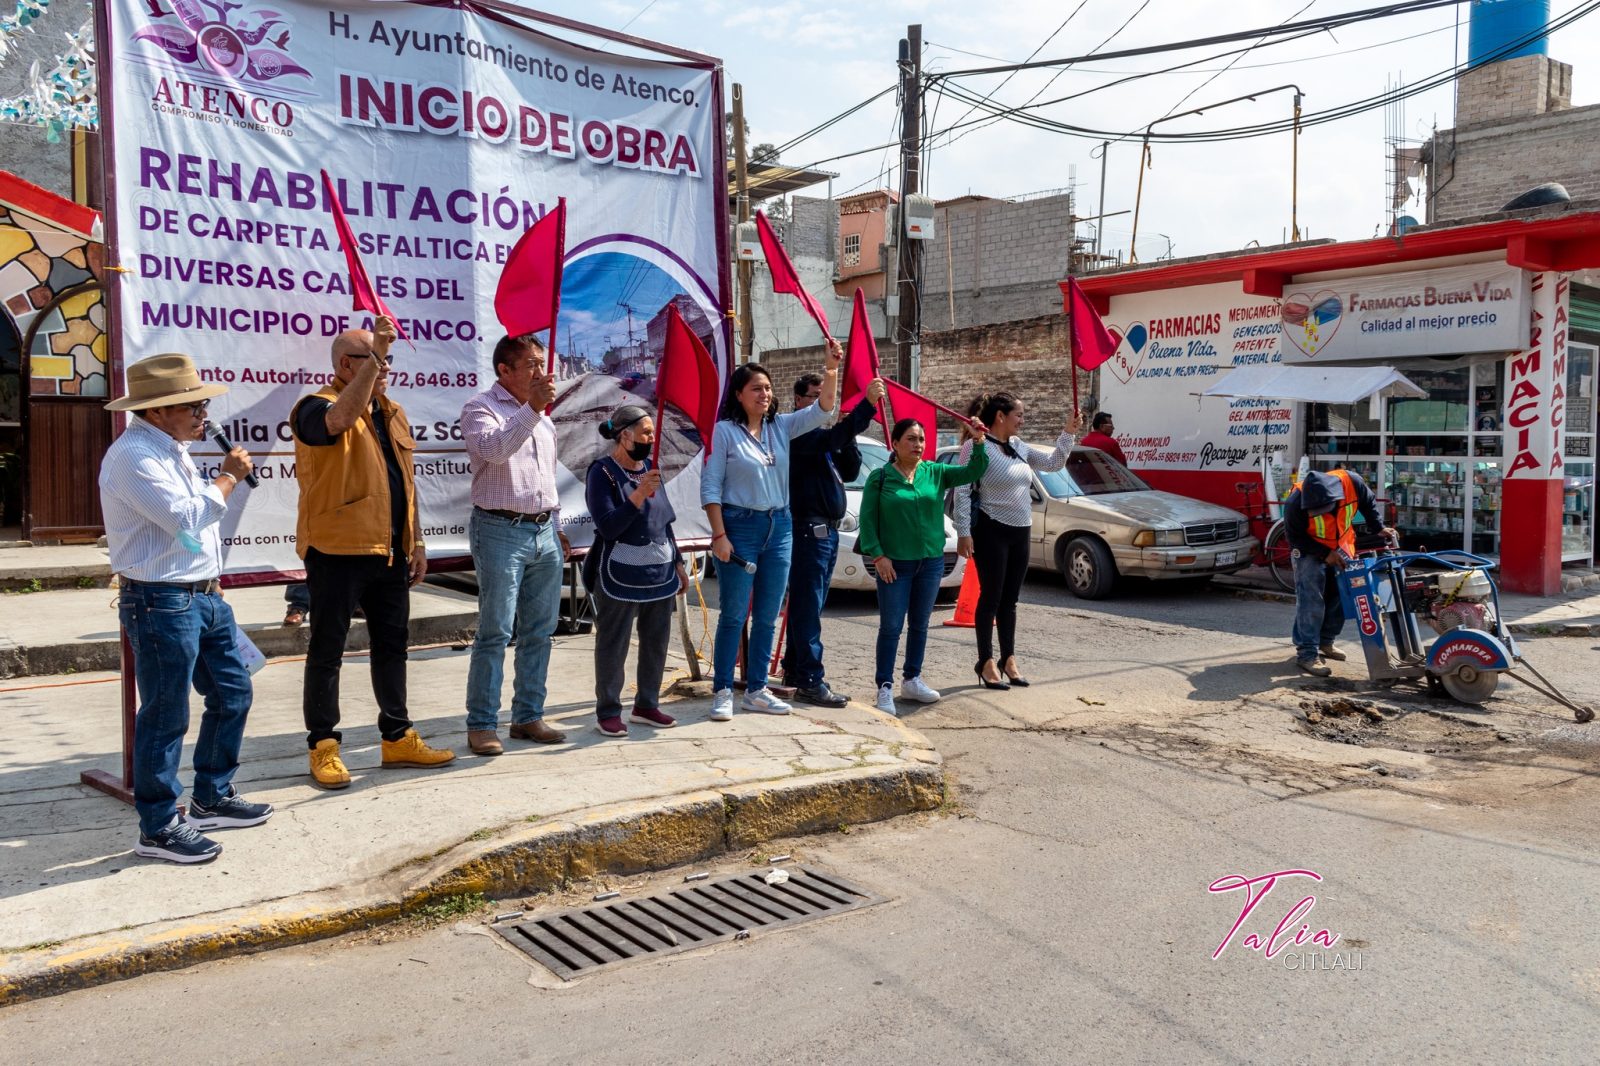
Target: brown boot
[484,742]
[538,732]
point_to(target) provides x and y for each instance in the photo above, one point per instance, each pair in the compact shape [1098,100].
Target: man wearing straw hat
[162,528]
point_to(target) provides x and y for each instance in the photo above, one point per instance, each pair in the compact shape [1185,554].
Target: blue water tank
[1499,24]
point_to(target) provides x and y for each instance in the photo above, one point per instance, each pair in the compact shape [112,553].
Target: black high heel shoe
[1001,685]
[1015,679]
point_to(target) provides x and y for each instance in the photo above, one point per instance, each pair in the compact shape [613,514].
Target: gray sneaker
[1314,667]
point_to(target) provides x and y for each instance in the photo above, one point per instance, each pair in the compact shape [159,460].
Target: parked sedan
[1095,521]
[850,570]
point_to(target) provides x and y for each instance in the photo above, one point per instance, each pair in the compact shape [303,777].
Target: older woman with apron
[633,571]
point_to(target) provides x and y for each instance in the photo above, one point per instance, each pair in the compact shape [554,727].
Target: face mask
[639,451]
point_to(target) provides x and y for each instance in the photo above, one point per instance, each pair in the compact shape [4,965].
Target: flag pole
[1072,347]
[661,410]
[555,298]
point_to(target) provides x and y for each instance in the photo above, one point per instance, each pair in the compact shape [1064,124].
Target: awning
[1315,384]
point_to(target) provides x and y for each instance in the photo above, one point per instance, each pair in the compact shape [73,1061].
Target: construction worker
[1320,518]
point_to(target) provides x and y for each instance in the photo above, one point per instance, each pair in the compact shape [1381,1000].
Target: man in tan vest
[360,538]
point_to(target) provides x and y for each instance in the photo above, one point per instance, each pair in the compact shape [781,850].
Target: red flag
[528,297]
[908,404]
[860,360]
[687,379]
[784,278]
[364,295]
[1092,343]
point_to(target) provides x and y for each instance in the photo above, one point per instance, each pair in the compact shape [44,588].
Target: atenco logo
[1369,624]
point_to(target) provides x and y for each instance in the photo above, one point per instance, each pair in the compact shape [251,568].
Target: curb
[622,839]
[1553,629]
[273,640]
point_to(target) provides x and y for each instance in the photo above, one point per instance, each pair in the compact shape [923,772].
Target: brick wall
[1029,358]
[995,261]
[1512,89]
[1489,165]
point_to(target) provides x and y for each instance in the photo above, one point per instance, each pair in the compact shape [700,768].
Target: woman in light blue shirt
[745,491]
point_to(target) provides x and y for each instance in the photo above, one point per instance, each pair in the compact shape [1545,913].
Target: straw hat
[162,381]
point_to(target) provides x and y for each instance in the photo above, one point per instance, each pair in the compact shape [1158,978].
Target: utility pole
[909,261]
[1105,146]
[746,268]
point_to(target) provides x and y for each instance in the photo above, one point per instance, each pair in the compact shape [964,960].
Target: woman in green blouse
[902,531]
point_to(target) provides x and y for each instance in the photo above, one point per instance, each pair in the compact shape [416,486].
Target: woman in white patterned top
[995,533]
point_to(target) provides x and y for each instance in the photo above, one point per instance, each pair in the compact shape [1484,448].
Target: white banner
[448,130]
[1174,344]
[1480,307]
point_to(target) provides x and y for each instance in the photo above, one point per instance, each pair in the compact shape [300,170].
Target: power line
[1242,66]
[637,17]
[1305,29]
[1063,70]
[1327,22]
[840,117]
[1278,126]
[1053,33]
[1190,94]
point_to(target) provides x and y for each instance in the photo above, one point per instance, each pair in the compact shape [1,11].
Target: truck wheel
[1089,569]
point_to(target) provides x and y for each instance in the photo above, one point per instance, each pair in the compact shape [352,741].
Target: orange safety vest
[1336,530]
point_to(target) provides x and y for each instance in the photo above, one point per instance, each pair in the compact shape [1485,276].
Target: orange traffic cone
[966,616]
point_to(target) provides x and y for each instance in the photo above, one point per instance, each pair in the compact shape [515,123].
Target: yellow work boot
[409,750]
[327,769]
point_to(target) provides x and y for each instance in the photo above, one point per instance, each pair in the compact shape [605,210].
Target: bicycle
[1274,552]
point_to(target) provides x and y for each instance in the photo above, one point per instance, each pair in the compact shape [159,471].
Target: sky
[802,63]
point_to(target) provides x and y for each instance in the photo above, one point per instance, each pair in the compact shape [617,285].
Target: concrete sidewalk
[74,630]
[76,907]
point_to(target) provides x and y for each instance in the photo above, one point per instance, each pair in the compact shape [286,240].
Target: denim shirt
[743,472]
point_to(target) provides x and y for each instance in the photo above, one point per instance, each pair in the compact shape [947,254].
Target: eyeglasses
[196,409]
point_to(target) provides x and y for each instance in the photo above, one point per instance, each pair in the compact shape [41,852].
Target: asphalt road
[1058,911]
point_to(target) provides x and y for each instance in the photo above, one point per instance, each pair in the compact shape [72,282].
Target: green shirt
[905,519]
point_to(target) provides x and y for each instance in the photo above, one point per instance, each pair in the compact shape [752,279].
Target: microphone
[748,568]
[213,431]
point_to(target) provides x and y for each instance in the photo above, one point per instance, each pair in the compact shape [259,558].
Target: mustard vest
[344,486]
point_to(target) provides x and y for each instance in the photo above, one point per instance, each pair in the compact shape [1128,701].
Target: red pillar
[1530,530]
[1530,517]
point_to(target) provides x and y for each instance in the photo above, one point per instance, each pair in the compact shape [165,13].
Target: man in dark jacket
[1319,520]
[820,462]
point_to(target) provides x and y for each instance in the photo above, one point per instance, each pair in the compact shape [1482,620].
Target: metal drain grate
[579,942]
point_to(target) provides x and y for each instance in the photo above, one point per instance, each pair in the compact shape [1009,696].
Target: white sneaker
[762,701]
[722,706]
[886,700]
[914,688]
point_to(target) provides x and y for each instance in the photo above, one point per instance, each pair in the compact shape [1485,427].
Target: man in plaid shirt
[517,544]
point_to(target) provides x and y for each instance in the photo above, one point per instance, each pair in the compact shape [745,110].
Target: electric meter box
[918,213]
[747,243]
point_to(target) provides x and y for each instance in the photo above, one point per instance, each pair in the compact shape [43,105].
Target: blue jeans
[1318,607]
[809,575]
[910,594]
[763,538]
[182,638]
[519,582]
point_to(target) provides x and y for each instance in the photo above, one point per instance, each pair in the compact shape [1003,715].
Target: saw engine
[1451,599]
